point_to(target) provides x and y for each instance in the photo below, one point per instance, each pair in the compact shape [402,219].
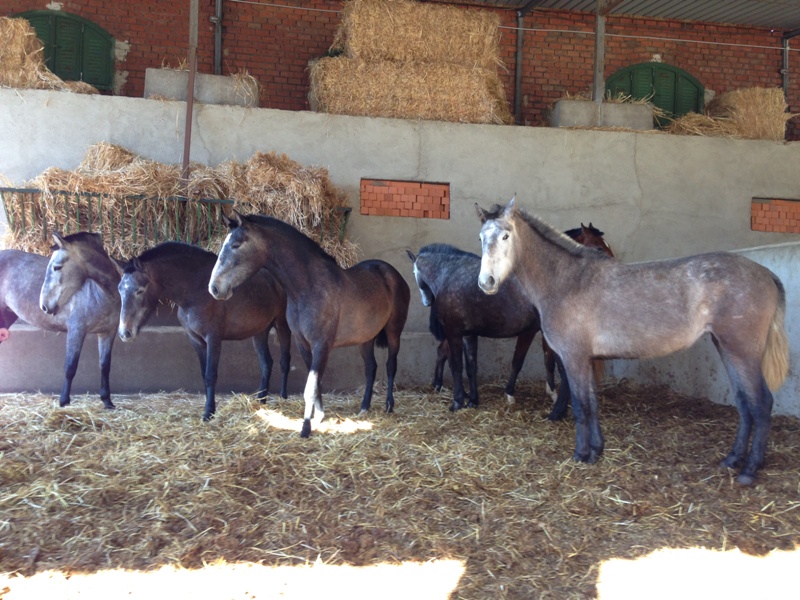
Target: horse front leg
[589,442]
[471,360]
[312,393]
[442,355]
[261,345]
[524,341]
[104,345]
[213,348]
[456,370]
[370,369]
[75,337]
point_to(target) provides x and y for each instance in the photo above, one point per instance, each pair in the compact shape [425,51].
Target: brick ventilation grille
[775,215]
[405,199]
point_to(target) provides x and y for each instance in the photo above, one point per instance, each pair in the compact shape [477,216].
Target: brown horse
[598,307]
[327,306]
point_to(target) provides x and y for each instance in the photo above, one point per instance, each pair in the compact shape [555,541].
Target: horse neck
[439,273]
[542,266]
[102,271]
[294,264]
[181,279]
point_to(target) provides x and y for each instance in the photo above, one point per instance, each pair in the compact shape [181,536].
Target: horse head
[68,269]
[138,295]
[497,246]
[242,254]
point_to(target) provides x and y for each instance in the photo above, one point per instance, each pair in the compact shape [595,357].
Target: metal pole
[187,135]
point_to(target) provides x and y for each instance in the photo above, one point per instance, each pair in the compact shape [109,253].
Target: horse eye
[505,237]
[56,267]
[139,292]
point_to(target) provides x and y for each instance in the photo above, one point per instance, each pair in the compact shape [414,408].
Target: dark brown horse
[75,291]
[328,307]
[597,307]
[179,273]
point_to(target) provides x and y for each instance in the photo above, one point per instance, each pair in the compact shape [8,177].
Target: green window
[75,49]
[669,88]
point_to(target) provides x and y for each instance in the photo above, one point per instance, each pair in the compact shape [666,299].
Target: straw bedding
[409,60]
[141,192]
[147,485]
[22,60]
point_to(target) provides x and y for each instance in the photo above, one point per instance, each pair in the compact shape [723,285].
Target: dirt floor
[484,503]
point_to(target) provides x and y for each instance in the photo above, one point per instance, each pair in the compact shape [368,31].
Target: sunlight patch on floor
[700,573]
[278,420]
[434,580]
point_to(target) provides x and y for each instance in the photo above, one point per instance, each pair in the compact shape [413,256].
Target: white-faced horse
[592,306]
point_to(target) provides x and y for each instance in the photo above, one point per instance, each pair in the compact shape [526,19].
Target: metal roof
[780,15]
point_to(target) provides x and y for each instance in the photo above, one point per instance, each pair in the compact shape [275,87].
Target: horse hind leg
[285,343]
[589,442]
[562,399]
[521,348]
[370,369]
[75,337]
[754,404]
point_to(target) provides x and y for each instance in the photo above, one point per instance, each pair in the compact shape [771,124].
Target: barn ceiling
[781,15]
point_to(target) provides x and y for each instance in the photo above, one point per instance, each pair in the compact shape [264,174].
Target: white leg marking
[551,392]
[310,393]
[510,399]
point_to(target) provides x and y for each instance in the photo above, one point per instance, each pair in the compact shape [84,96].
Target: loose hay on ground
[149,484]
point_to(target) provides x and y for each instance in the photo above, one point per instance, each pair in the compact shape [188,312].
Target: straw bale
[149,485]
[434,91]
[141,192]
[748,113]
[405,31]
[22,60]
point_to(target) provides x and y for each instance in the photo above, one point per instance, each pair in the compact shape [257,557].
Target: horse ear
[411,256]
[509,208]
[119,265]
[59,242]
[482,214]
[137,264]
[234,221]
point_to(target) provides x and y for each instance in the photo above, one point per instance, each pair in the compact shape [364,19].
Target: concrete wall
[654,195]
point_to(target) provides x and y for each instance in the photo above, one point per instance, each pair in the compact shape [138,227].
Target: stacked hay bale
[748,113]
[404,59]
[22,60]
[137,202]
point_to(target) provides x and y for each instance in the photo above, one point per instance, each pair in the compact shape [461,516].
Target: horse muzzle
[49,310]
[218,293]
[487,284]
[126,334]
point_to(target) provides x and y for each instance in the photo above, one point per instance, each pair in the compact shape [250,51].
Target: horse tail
[435,326]
[775,362]
[382,340]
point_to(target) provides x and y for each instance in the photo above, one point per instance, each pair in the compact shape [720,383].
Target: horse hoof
[362,412]
[730,462]
[510,399]
[554,416]
[745,480]
[455,406]
[207,418]
[472,404]
[63,403]
[306,431]
[109,405]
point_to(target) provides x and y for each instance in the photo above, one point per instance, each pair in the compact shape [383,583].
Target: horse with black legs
[598,307]
[179,273]
[446,276]
[327,306]
[31,289]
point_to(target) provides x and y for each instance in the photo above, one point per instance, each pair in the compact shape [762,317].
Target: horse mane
[168,250]
[446,249]
[94,240]
[549,233]
[285,228]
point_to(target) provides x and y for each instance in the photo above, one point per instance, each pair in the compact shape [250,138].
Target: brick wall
[275,44]
[775,215]
[405,199]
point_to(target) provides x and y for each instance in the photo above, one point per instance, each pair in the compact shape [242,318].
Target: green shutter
[75,49]
[97,58]
[67,64]
[44,25]
[669,88]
